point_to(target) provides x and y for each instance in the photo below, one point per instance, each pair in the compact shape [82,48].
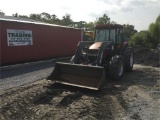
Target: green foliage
[136,39]
[103,20]
[90,26]
[54,19]
[66,20]
[129,30]
[158,20]
[154,30]
[142,38]
[23,16]
[45,17]
[35,16]
[81,24]
[149,38]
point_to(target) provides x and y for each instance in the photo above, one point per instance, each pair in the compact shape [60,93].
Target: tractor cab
[108,41]
[110,33]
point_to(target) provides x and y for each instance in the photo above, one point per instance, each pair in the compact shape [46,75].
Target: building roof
[11,18]
[27,20]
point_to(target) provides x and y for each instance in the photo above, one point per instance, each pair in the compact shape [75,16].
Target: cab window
[112,35]
[102,35]
[120,38]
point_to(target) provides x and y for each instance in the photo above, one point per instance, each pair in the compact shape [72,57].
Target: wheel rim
[120,68]
[131,59]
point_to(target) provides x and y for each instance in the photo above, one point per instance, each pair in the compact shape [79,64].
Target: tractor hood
[96,45]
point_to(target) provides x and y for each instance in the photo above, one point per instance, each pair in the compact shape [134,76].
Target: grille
[92,56]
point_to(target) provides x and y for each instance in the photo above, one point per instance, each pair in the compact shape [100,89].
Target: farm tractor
[95,62]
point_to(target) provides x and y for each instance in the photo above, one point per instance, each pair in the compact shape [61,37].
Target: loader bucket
[91,77]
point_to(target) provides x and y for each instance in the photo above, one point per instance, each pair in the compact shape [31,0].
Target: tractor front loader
[95,62]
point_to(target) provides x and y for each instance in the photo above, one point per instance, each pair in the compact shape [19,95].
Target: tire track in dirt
[68,99]
[77,103]
[142,104]
[17,92]
[117,108]
[15,105]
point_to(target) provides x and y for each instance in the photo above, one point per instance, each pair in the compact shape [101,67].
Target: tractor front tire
[116,68]
[129,59]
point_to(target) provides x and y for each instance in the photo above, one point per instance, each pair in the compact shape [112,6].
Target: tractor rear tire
[116,68]
[129,59]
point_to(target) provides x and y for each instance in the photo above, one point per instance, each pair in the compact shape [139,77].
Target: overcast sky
[139,13]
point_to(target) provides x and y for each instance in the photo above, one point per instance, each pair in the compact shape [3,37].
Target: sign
[19,37]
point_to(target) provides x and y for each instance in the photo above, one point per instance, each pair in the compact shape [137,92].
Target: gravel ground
[24,75]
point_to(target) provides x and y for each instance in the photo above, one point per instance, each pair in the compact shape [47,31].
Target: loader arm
[79,49]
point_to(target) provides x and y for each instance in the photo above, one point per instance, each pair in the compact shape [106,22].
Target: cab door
[119,41]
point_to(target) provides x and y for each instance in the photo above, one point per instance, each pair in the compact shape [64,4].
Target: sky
[139,13]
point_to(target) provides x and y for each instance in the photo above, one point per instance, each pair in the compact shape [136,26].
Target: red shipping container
[49,41]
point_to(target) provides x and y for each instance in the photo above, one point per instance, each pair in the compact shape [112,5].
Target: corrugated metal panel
[48,42]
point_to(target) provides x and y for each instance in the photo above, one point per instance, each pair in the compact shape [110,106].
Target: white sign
[19,37]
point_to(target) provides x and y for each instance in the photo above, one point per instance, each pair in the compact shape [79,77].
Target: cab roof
[109,26]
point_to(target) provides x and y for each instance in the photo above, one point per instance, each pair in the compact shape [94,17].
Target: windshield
[102,35]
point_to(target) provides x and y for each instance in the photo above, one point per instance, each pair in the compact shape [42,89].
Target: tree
[23,16]
[154,30]
[66,20]
[2,13]
[45,17]
[90,26]
[81,24]
[149,38]
[158,19]
[146,39]
[129,30]
[35,16]
[103,20]
[55,20]
[143,38]
[136,40]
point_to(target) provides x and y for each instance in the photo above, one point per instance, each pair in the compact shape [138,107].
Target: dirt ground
[136,97]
